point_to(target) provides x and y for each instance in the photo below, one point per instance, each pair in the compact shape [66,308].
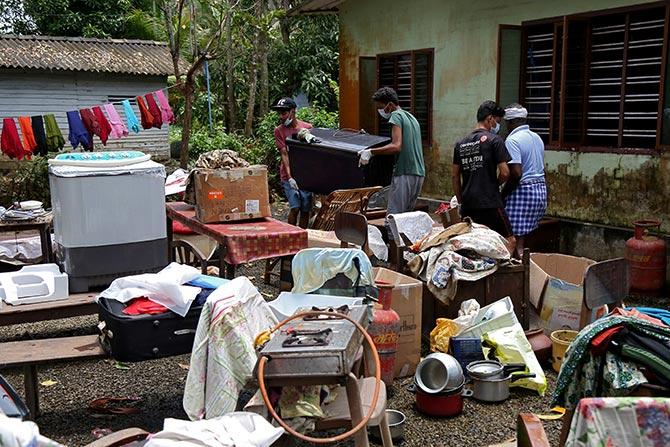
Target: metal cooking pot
[437,372]
[496,389]
[447,403]
[492,369]
[396,421]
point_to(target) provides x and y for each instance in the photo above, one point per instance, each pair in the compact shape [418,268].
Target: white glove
[364,157]
[293,183]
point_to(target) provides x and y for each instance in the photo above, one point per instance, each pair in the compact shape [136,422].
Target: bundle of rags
[464,251]
[217,159]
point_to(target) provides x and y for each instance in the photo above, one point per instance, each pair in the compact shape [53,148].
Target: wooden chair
[341,200]
[605,282]
[352,229]
[186,253]
[530,432]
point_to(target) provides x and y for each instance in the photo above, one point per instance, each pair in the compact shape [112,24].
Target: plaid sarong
[526,206]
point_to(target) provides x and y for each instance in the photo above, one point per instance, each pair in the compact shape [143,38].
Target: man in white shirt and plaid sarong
[525,193]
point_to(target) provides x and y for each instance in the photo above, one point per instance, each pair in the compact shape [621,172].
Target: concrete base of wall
[593,241]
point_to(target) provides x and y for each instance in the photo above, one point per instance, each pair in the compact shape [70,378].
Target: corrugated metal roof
[143,57]
[317,7]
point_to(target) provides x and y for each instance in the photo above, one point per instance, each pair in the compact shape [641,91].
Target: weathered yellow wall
[604,188]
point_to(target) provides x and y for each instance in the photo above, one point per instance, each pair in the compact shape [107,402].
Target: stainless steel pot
[492,369]
[396,421]
[495,389]
[437,372]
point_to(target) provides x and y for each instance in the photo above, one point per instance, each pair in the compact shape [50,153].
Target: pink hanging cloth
[119,129]
[166,110]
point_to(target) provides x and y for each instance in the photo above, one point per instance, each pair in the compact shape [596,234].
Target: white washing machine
[109,221]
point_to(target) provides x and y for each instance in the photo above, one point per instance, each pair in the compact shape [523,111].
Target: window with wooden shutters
[598,80]
[410,74]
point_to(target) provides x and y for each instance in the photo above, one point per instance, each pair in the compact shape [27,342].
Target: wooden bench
[29,354]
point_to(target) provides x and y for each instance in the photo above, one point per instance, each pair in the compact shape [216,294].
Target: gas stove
[323,346]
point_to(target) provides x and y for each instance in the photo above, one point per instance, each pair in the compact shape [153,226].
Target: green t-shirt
[410,158]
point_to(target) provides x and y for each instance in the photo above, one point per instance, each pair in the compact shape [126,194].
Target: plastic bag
[510,345]
[442,333]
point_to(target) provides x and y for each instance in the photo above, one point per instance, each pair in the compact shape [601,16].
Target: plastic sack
[442,333]
[510,345]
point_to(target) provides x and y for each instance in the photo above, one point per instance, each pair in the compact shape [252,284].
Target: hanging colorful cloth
[29,143]
[77,131]
[118,128]
[166,111]
[91,123]
[105,128]
[55,140]
[133,124]
[10,143]
[40,135]
[154,110]
[145,115]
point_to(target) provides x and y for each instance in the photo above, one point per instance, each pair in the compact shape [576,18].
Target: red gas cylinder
[646,255]
[385,331]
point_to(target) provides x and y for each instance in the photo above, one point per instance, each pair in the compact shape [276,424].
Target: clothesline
[41,133]
[116,103]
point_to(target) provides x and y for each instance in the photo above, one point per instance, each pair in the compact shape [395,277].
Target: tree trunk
[253,83]
[189,97]
[263,62]
[231,111]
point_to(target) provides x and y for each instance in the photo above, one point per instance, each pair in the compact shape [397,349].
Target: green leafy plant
[30,181]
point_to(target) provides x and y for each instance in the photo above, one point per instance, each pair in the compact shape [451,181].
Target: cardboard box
[556,290]
[226,195]
[406,301]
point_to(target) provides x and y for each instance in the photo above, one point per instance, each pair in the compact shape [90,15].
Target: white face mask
[496,129]
[288,121]
[383,114]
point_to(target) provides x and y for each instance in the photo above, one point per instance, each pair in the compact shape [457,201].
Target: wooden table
[42,224]
[74,306]
[241,242]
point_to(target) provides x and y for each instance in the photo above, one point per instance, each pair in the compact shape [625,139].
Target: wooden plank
[74,306]
[33,352]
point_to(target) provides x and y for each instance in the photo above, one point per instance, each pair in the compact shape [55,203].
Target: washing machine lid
[143,168]
[100,159]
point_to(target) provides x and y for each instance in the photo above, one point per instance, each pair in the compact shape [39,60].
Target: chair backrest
[351,200]
[352,228]
[186,253]
[605,282]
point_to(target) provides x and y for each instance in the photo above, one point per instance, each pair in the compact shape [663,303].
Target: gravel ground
[159,385]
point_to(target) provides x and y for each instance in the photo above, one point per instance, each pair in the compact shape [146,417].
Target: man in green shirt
[409,171]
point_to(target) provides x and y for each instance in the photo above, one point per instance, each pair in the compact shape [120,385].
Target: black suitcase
[11,404]
[133,338]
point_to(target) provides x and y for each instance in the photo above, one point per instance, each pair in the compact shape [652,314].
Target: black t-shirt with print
[478,155]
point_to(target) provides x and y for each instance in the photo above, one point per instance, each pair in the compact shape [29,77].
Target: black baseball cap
[285,104]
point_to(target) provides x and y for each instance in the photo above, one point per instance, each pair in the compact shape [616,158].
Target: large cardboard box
[322,239]
[226,195]
[406,301]
[556,290]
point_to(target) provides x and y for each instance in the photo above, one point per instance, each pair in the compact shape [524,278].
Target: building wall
[39,93]
[610,189]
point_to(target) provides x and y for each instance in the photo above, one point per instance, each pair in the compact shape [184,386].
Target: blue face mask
[496,129]
[288,121]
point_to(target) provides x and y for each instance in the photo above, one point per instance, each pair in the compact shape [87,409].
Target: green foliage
[30,181]
[75,18]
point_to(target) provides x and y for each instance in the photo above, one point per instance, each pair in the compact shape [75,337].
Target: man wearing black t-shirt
[480,166]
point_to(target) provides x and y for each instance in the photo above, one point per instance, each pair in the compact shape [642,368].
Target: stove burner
[297,338]
[342,310]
